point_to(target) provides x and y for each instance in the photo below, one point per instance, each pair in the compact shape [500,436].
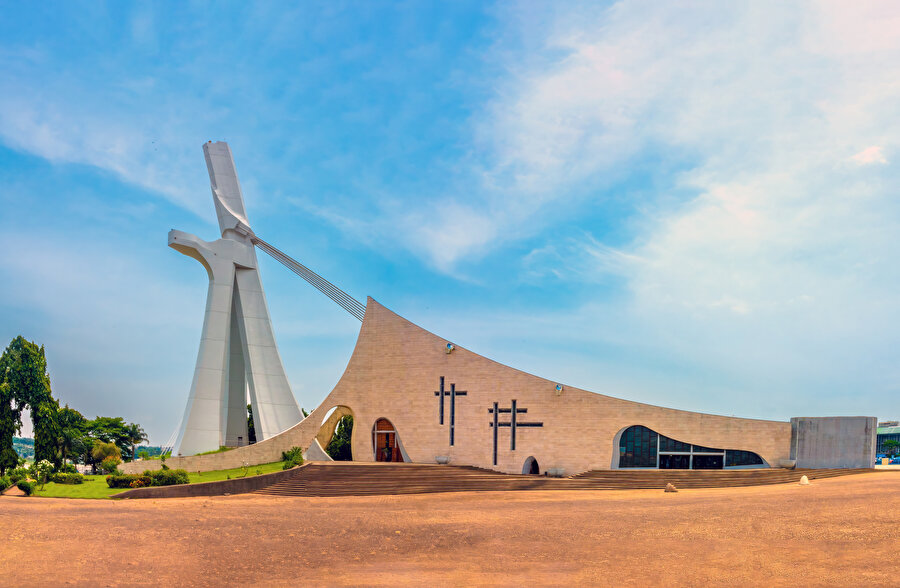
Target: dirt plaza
[833,532]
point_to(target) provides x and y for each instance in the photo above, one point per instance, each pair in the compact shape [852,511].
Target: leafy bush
[126,480]
[26,487]
[4,483]
[292,457]
[67,478]
[43,469]
[110,464]
[168,477]
[148,478]
[17,474]
[67,468]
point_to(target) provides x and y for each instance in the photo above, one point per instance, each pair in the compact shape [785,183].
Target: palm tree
[136,436]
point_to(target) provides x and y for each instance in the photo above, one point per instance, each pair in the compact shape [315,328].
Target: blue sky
[692,205]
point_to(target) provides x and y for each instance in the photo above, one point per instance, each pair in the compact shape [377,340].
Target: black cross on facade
[513,424]
[453,393]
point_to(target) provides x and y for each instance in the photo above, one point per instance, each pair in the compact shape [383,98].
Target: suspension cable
[344,300]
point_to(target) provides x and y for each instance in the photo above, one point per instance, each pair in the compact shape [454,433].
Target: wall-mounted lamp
[450,347]
[559,389]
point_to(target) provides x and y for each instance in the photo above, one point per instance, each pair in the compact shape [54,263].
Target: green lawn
[95,486]
[266,468]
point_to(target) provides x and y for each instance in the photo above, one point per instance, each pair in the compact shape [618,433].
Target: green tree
[102,450]
[72,432]
[47,434]
[890,446]
[23,366]
[251,428]
[111,430]
[9,426]
[339,446]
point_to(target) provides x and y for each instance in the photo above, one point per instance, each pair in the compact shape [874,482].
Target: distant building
[886,431]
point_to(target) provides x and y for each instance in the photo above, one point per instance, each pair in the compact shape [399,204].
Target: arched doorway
[386,442]
[531,467]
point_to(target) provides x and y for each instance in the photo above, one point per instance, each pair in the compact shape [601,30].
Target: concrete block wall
[833,442]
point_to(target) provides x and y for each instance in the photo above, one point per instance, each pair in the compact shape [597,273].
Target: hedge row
[61,478]
[148,478]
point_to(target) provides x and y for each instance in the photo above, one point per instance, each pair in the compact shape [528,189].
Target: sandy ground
[833,532]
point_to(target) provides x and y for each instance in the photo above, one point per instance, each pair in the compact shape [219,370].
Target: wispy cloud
[775,228]
[721,175]
[869,155]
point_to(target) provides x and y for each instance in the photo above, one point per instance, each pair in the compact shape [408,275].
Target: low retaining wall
[219,488]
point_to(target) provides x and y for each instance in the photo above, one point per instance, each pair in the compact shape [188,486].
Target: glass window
[741,458]
[701,449]
[666,444]
[637,448]
[674,462]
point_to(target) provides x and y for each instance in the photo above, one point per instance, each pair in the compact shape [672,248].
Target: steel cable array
[344,300]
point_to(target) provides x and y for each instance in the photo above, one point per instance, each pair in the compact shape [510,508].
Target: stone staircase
[367,479]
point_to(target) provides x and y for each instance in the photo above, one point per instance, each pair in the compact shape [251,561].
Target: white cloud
[75,132]
[870,155]
[765,105]
[781,266]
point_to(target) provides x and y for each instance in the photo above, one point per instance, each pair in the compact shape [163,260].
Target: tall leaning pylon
[238,356]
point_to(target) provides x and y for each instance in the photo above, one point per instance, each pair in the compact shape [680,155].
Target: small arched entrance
[386,442]
[531,467]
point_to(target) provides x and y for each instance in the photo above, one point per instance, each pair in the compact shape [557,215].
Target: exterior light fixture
[450,347]
[559,389]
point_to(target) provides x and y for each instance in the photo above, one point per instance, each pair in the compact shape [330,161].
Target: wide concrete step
[355,479]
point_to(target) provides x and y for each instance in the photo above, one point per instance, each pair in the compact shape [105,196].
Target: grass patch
[95,486]
[216,475]
[221,449]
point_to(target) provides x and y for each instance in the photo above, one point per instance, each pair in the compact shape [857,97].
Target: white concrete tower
[238,354]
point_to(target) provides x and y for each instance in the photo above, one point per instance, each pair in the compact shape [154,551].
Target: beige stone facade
[396,368]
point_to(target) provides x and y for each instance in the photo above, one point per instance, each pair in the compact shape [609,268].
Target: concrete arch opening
[333,417]
[386,442]
[531,467]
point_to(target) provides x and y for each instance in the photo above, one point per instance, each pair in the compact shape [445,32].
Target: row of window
[640,447]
